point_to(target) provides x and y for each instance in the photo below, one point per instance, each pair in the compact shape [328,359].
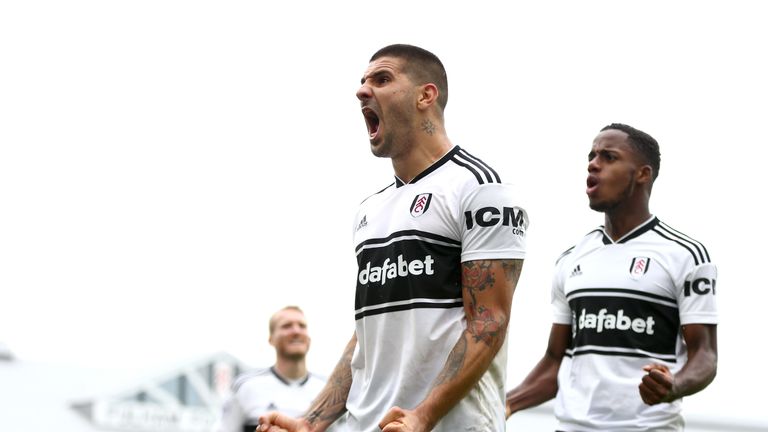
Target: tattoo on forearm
[428,127]
[481,324]
[315,416]
[331,402]
[454,362]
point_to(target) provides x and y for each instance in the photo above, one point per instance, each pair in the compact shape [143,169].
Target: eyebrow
[373,75]
[602,151]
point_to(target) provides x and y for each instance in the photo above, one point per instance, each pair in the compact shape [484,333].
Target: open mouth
[371,121]
[592,183]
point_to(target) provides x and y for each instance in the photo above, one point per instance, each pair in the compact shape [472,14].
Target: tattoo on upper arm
[478,276]
[512,269]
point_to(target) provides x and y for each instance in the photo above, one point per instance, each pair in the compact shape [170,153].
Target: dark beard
[609,206]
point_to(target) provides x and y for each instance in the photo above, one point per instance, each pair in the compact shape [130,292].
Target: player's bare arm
[660,385]
[541,383]
[487,290]
[329,405]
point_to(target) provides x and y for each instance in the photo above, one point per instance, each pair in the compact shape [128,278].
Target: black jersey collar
[285,381]
[635,233]
[440,162]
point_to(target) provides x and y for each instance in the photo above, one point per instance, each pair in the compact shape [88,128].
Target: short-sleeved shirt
[262,390]
[626,301]
[411,240]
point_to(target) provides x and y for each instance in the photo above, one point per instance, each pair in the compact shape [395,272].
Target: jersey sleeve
[232,417]
[493,224]
[561,310]
[697,298]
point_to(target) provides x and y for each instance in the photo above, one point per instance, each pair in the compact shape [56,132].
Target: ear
[427,96]
[271,342]
[644,175]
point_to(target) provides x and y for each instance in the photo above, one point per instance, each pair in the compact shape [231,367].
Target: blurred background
[173,172]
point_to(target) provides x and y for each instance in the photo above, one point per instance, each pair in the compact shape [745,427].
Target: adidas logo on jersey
[576,271]
[392,270]
[363,223]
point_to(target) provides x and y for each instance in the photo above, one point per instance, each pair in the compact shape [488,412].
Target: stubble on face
[608,204]
[286,350]
[398,130]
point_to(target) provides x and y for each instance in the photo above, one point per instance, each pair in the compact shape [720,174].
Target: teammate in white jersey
[286,386]
[634,306]
[439,254]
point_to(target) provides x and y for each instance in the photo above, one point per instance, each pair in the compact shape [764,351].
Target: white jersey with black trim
[262,390]
[626,301]
[410,242]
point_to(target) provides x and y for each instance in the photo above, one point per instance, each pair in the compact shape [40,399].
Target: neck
[618,223]
[291,369]
[426,150]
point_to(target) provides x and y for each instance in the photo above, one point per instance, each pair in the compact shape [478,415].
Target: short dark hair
[421,65]
[644,144]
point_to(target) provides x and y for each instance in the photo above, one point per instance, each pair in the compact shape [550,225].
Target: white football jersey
[410,242]
[626,301]
[257,392]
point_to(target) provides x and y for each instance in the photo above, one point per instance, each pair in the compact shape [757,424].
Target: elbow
[707,370]
[713,374]
[489,329]
[712,362]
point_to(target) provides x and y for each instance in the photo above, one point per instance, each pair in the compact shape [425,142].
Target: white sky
[172,172]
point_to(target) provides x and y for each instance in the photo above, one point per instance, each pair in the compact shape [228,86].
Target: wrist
[672,393]
[426,417]
[674,390]
[306,424]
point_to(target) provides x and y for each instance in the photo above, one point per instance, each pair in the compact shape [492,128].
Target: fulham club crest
[639,267]
[420,204]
